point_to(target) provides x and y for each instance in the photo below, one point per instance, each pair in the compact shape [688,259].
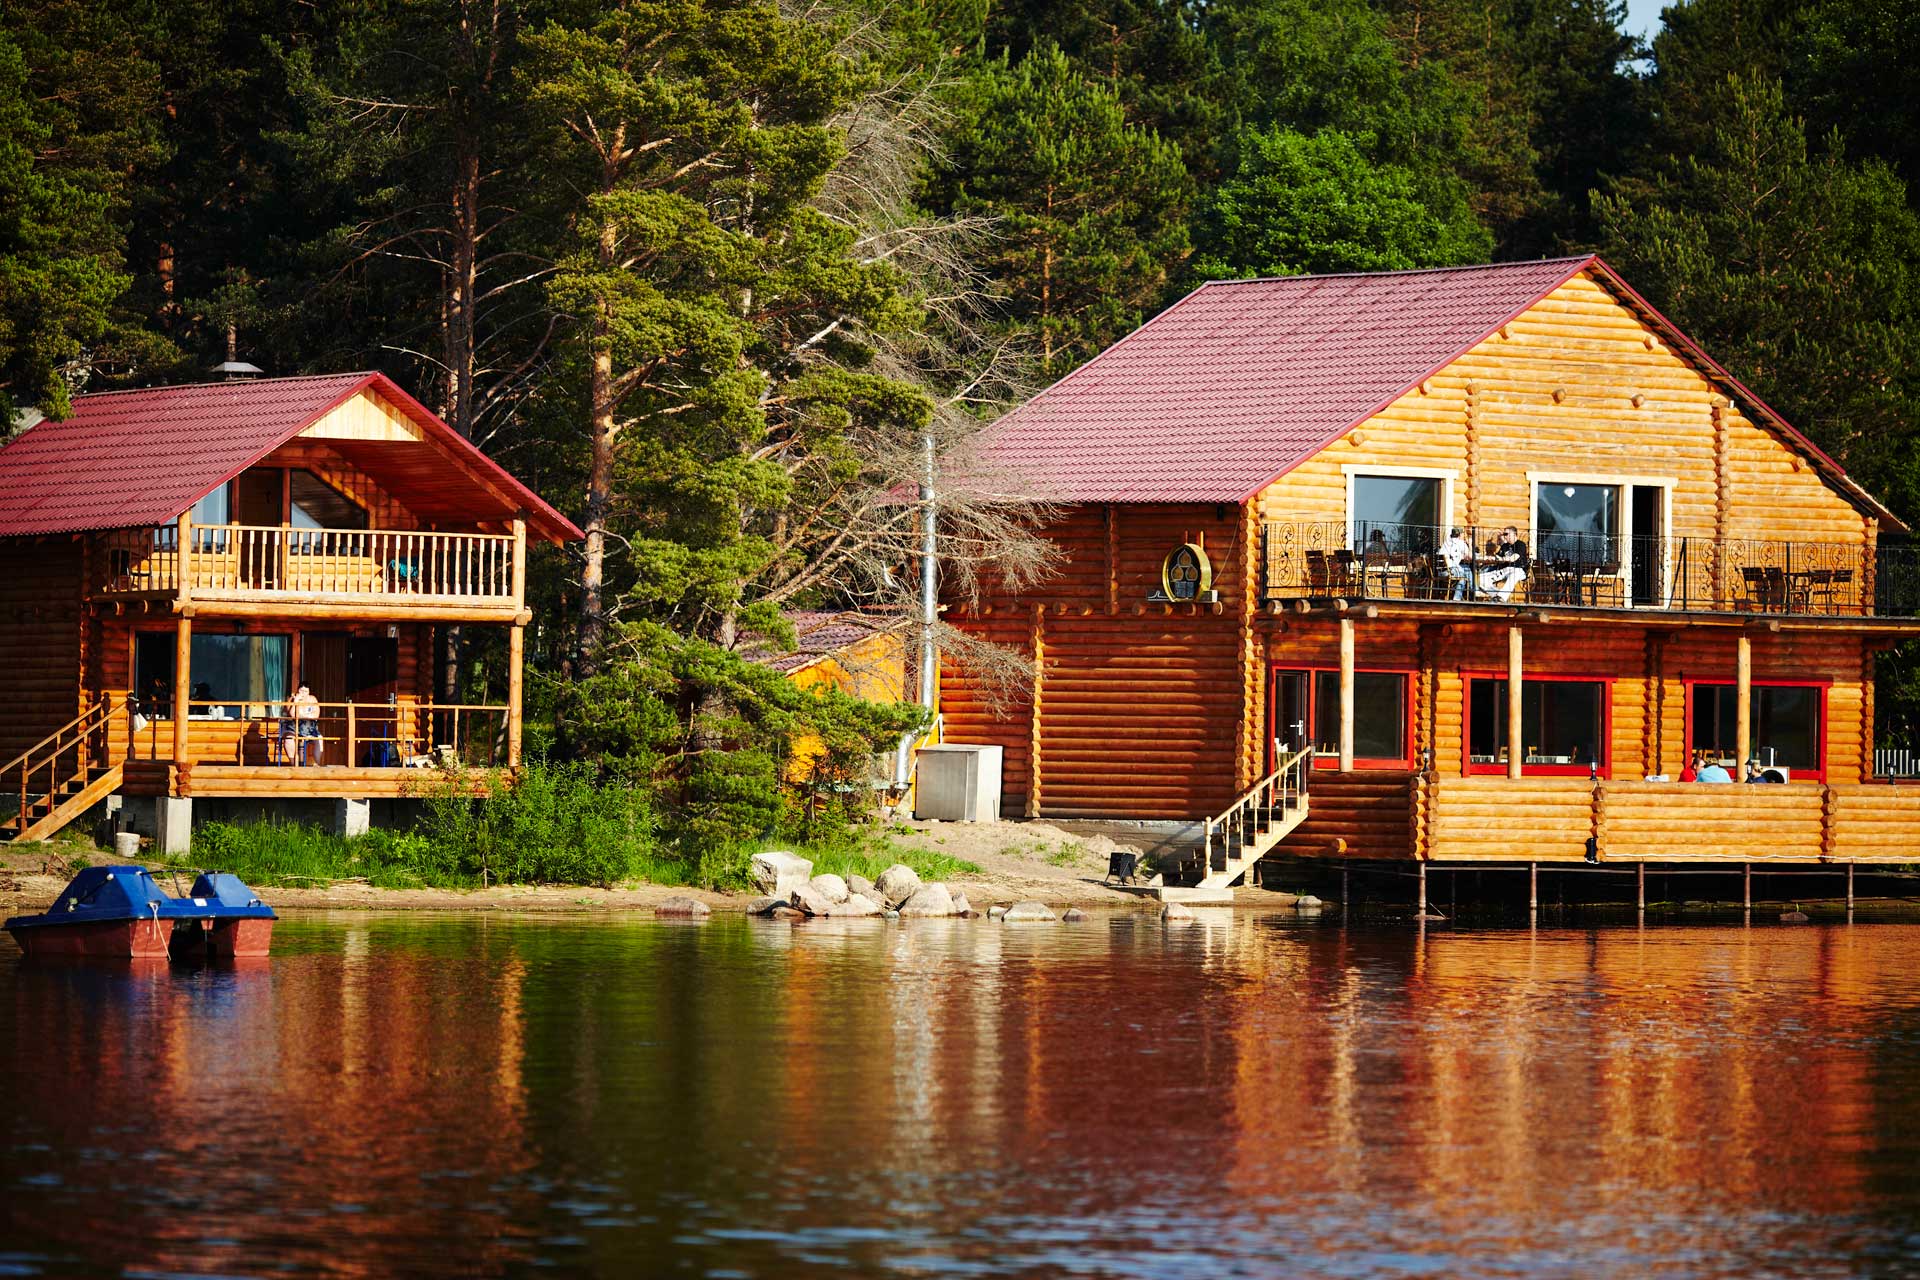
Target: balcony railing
[1328,559]
[354,735]
[267,561]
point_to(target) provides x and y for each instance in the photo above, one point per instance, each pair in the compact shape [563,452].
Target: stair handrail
[72,734]
[1289,776]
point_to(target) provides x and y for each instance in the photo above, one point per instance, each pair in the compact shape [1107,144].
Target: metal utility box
[957,782]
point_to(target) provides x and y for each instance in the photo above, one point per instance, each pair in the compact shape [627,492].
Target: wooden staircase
[61,776]
[1263,816]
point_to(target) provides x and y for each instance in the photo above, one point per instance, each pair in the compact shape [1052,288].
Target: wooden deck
[1498,819]
[283,782]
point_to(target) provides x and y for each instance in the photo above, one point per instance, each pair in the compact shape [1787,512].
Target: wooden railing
[357,735]
[1259,810]
[1561,819]
[63,758]
[243,561]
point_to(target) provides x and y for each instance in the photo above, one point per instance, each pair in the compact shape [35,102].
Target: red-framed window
[1787,721]
[1305,701]
[1566,723]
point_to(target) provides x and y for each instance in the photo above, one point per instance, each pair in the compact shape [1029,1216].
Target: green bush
[559,825]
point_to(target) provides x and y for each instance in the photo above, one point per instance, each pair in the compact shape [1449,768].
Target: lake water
[1253,1095]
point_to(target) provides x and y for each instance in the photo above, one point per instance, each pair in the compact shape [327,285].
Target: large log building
[176,562]
[1264,594]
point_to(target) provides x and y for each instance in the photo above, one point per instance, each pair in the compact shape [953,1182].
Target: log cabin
[176,562]
[1287,615]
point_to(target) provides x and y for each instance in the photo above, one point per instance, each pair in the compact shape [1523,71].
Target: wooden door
[257,502]
[323,669]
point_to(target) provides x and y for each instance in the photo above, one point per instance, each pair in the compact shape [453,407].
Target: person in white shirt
[1456,553]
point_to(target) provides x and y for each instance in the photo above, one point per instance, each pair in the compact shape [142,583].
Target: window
[1579,522]
[1400,511]
[1379,715]
[1784,723]
[228,672]
[315,504]
[1563,723]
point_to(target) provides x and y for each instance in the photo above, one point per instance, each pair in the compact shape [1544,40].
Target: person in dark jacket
[1510,564]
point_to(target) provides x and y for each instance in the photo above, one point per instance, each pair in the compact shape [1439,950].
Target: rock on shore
[683,906]
[778,873]
[928,900]
[1028,913]
[897,884]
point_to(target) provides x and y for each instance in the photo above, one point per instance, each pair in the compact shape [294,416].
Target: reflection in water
[1250,1094]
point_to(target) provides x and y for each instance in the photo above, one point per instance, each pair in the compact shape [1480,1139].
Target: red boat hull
[223,939]
[113,939]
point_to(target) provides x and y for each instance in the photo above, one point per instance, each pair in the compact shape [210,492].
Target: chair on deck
[1763,590]
[1328,578]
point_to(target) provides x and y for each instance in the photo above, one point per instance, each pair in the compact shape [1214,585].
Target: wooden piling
[1641,877]
[1746,885]
[1423,890]
[1533,888]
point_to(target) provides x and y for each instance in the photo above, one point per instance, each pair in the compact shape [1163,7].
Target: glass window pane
[1326,713]
[153,673]
[230,672]
[1379,715]
[1786,727]
[216,507]
[315,504]
[1577,522]
[1398,513]
[1564,722]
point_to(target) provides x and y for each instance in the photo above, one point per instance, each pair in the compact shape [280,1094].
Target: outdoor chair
[1764,590]
[1122,865]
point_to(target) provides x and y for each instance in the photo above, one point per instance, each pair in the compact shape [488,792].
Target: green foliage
[1307,204]
[559,824]
[844,853]
[1799,269]
[1091,209]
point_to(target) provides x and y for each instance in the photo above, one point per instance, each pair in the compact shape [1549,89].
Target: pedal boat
[120,912]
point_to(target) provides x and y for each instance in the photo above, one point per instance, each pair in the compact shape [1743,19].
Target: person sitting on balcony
[1712,771]
[1457,554]
[306,718]
[1510,565]
[1692,772]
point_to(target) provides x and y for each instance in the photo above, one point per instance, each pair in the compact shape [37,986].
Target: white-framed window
[1606,535]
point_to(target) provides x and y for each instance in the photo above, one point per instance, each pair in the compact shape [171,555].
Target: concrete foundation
[173,824]
[352,817]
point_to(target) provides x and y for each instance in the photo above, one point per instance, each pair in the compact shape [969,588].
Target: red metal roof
[129,458]
[817,634]
[1242,380]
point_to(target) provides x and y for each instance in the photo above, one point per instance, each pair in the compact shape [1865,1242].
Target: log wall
[1555,391]
[41,580]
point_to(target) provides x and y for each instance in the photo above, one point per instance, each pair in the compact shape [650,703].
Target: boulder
[810,900]
[787,913]
[1795,916]
[1027,912]
[1073,915]
[961,907]
[994,913]
[1177,913]
[683,906]
[855,905]
[860,884]
[929,900]
[896,884]
[1279,898]
[1307,902]
[891,914]
[779,873]
[873,898]
[762,906]
[830,887]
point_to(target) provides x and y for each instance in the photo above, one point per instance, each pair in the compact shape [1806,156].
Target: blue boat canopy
[130,893]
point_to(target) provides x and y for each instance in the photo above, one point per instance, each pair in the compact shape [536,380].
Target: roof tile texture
[1240,381]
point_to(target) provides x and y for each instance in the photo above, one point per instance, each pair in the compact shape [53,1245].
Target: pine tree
[1091,210]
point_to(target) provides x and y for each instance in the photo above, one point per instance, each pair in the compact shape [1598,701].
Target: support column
[1423,891]
[352,817]
[182,685]
[516,683]
[1346,695]
[1849,888]
[1746,885]
[1533,888]
[1743,702]
[1516,749]
[173,824]
[1641,876]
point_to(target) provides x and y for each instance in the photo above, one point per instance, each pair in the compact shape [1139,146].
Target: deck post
[1516,749]
[1423,890]
[1743,701]
[1642,877]
[519,584]
[1345,897]
[1533,888]
[1849,886]
[1746,885]
[516,649]
[1346,695]
[182,685]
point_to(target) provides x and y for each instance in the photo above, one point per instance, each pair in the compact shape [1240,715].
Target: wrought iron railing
[1330,559]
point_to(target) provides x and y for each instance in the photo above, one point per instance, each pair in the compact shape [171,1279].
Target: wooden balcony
[1308,561]
[256,570]
[1496,819]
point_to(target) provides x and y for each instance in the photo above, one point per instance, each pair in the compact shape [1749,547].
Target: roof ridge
[224,382]
[1404,271]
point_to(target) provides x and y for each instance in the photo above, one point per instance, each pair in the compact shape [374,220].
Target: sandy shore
[1017,861]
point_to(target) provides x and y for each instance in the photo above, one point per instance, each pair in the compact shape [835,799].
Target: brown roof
[817,634]
[129,458]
